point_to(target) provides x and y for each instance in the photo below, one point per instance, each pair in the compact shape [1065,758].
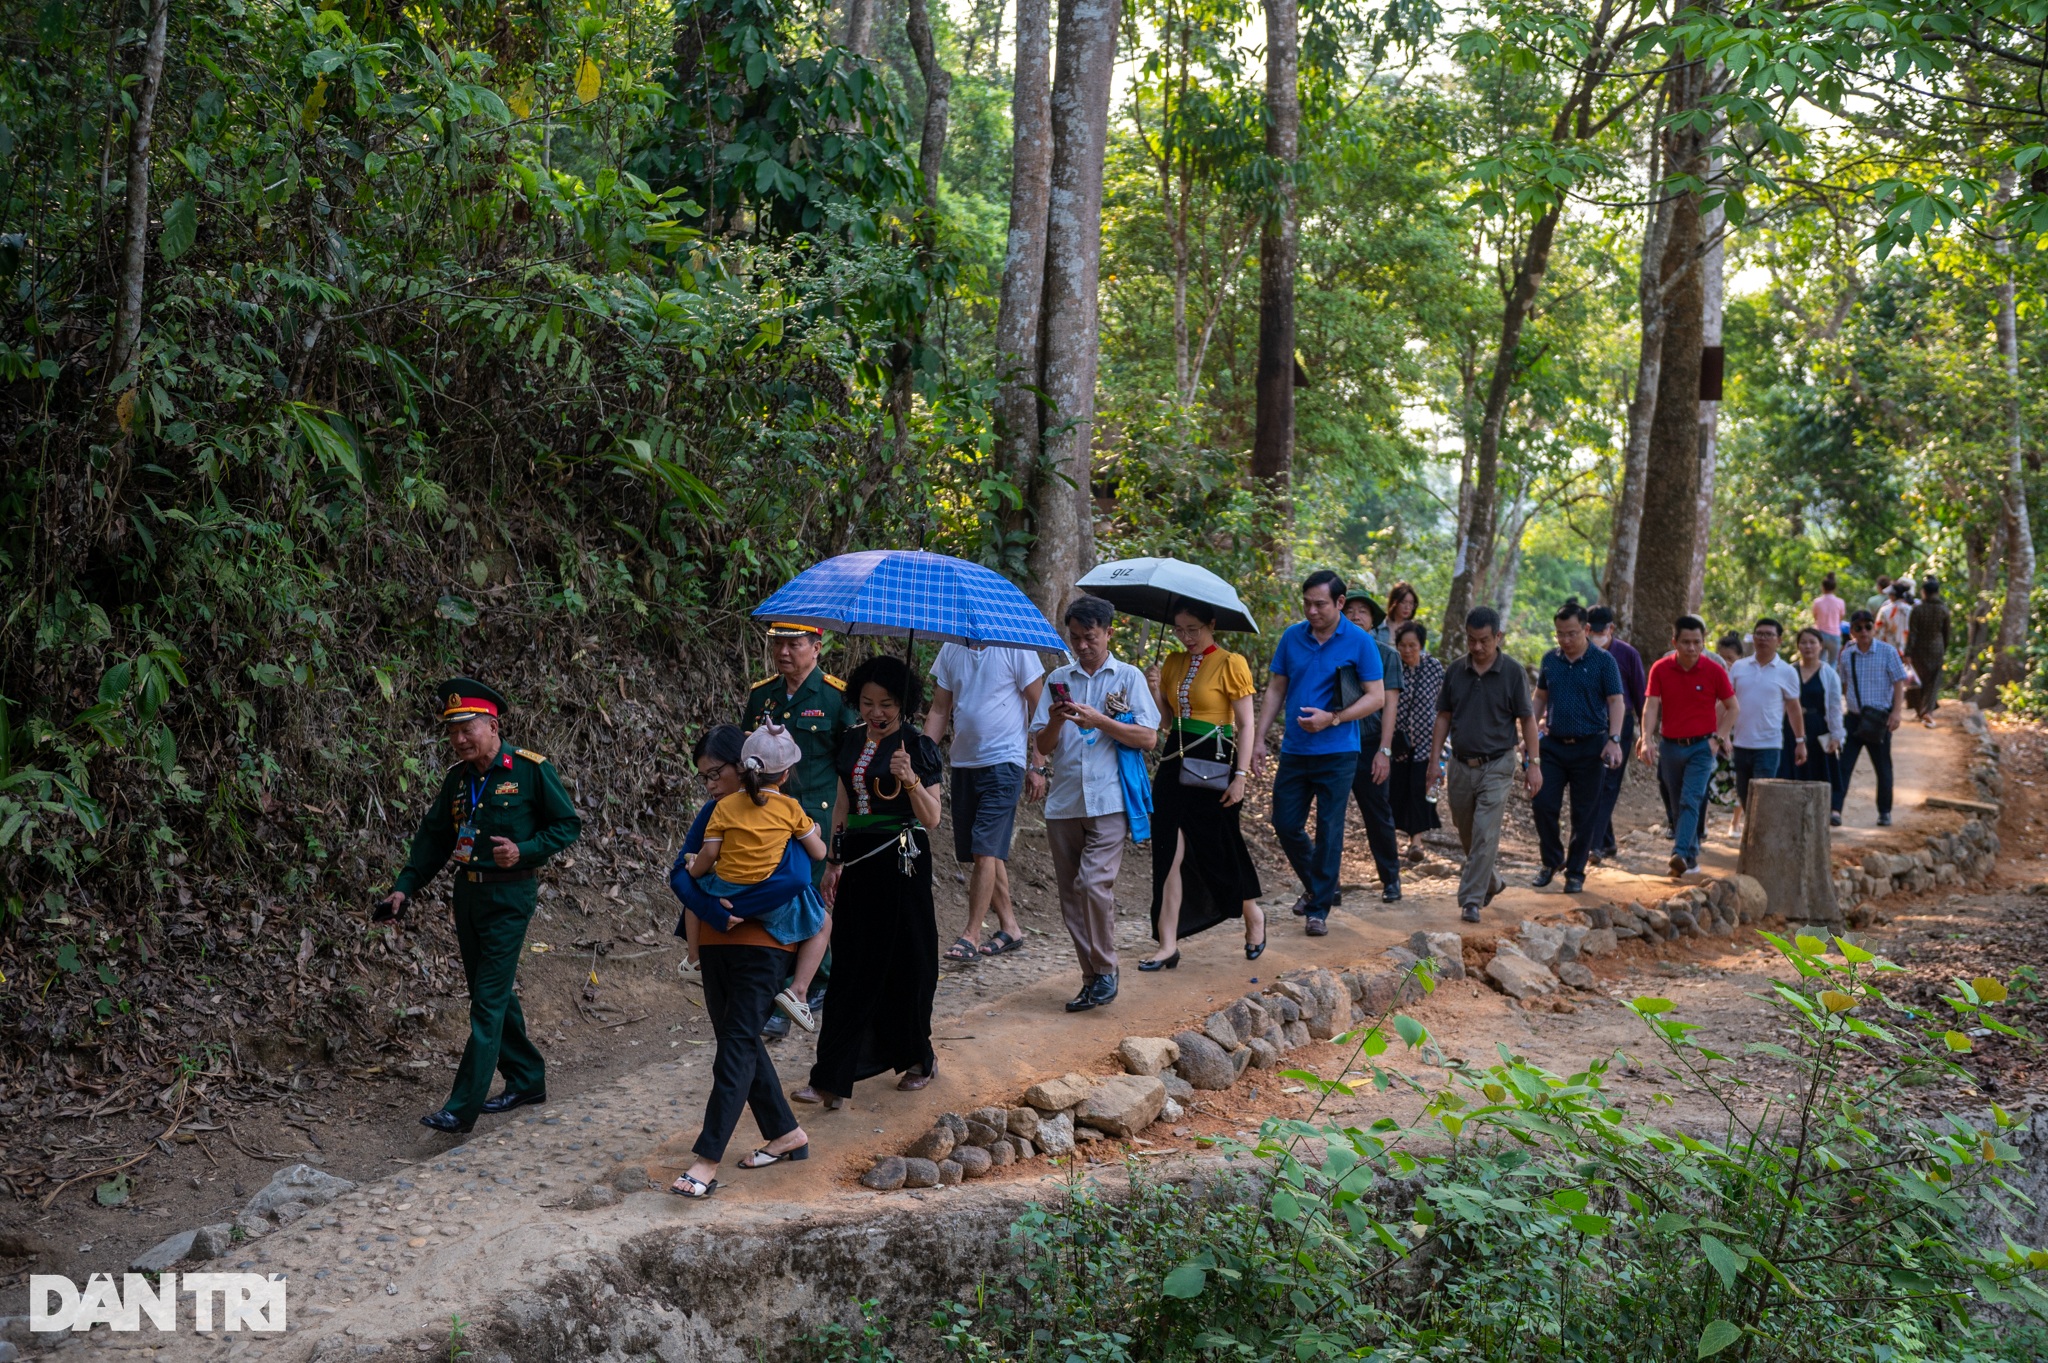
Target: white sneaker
[792,1003]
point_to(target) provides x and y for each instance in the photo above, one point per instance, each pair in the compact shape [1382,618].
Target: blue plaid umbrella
[900,592]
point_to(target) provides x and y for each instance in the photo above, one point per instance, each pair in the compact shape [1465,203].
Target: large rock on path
[1202,1062]
[1123,1105]
[1518,976]
[1057,1095]
[1146,1054]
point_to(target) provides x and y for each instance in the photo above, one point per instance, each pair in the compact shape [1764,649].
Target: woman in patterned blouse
[1408,784]
[1202,872]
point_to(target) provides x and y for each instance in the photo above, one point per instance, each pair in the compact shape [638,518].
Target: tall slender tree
[1279,250]
[1070,349]
[1021,299]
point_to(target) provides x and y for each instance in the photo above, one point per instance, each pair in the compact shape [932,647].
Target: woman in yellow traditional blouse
[1202,873]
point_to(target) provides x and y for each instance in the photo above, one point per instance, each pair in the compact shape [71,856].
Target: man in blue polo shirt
[1316,665]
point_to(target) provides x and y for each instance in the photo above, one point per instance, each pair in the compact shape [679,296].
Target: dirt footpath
[441,1228]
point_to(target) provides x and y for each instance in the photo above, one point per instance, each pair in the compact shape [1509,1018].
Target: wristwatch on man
[1386,752]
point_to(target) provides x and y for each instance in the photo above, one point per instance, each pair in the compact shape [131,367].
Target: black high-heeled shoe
[1254,950]
[1164,963]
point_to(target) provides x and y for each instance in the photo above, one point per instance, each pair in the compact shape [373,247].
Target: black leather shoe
[1544,877]
[1300,909]
[1086,999]
[1574,884]
[1105,989]
[444,1120]
[1391,895]
[508,1100]
[777,1026]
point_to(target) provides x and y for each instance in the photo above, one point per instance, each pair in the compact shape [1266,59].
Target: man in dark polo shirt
[1580,703]
[1483,704]
[1634,677]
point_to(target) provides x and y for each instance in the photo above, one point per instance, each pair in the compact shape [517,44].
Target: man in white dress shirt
[1088,709]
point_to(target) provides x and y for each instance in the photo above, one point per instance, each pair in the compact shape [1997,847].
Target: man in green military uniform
[500,814]
[811,703]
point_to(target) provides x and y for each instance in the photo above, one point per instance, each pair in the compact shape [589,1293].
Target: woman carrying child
[748,903]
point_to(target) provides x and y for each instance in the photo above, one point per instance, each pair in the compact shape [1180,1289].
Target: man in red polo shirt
[1689,713]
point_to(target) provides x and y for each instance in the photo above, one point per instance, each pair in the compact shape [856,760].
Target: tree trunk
[1474,556]
[2009,663]
[938,92]
[1073,258]
[1279,247]
[1787,848]
[1711,228]
[1653,309]
[1021,300]
[860,26]
[1671,476]
[135,242]
[1510,540]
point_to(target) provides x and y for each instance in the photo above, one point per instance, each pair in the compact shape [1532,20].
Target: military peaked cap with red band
[464,698]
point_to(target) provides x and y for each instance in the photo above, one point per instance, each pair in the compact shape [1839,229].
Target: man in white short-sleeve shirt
[986,695]
[1766,697]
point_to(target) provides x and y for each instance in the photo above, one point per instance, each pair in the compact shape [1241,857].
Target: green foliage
[1527,1215]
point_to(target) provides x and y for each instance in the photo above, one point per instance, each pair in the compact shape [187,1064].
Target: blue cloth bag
[1137,785]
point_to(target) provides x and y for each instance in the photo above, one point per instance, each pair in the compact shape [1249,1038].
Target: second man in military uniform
[811,703]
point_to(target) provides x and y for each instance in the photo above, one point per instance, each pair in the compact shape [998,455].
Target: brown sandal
[831,1102]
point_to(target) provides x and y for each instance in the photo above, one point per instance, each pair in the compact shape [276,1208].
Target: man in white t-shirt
[1767,697]
[987,695]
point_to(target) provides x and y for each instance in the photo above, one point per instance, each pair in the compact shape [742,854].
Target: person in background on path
[1600,629]
[1316,666]
[1820,706]
[1828,613]
[1721,785]
[1894,619]
[1088,709]
[1927,645]
[1483,703]
[743,844]
[740,968]
[879,884]
[1408,790]
[1402,604]
[1884,594]
[1371,783]
[1581,712]
[1689,711]
[987,696]
[811,703]
[1766,701]
[1202,872]
[1874,698]
[500,814]
[1729,649]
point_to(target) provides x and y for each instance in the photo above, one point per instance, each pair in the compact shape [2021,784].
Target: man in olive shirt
[811,703]
[500,814]
[1484,701]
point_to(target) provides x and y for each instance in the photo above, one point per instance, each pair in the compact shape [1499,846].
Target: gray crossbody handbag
[1204,773]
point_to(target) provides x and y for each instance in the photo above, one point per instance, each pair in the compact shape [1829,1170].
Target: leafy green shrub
[1802,1213]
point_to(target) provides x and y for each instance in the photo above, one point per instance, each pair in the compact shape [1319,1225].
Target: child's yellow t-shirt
[753,838]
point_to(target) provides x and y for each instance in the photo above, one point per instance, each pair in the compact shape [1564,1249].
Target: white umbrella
[1149,588]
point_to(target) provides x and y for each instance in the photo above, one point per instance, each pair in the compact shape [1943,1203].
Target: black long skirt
[885,966]
[1408,793]
[1216,871]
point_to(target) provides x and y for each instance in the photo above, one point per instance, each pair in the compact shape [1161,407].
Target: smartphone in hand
[1062,694]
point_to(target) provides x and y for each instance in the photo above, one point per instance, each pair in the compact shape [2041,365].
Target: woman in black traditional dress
[1202,872]
[885,933]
